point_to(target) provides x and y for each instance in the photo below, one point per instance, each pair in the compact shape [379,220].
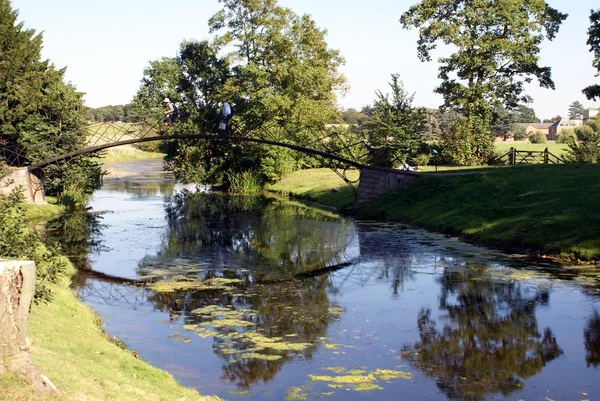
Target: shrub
[538,137]
[246,182]
[565,136]
[19,241]
[588,149]
[421,159]
[520,133]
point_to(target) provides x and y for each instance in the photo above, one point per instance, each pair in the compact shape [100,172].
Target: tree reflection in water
[489,341]
[591,336]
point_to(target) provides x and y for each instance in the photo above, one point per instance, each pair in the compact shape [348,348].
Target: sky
[106,45]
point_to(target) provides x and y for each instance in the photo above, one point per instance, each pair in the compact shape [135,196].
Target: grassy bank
[547,209]
[73,352]
[320,185]
[40,213]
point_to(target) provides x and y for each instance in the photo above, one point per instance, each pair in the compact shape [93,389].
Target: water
[313,305]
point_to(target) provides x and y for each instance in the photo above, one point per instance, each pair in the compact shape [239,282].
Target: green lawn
[558,149]
[547,208]
[320,185]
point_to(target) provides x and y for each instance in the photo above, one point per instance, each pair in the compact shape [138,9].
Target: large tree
[576,110]
[40,114]
[273,65]
[497,45]
[592,92]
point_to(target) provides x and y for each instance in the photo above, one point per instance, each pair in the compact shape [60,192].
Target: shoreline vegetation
[543,210]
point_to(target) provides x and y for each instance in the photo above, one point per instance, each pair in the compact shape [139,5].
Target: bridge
[331,149]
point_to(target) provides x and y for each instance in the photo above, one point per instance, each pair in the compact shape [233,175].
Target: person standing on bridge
[227,112]
[171,113]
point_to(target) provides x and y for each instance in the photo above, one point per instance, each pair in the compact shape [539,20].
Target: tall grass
[245,182]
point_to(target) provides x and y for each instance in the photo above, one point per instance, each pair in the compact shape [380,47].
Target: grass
[42,213]
[73,352]
[558,149]
[322,186]
[548,209]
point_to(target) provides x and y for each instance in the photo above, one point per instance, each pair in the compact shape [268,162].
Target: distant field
[102,133]
[557,149]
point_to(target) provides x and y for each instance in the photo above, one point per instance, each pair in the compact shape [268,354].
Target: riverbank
[69,347]
[539,209]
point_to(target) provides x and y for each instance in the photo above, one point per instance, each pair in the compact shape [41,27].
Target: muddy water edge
[269,299]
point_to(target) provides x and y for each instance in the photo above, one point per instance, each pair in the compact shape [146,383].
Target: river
[268,299]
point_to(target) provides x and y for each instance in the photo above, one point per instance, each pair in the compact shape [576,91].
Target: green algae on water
[388,374]
[367,387]
[297,393]
[264,357]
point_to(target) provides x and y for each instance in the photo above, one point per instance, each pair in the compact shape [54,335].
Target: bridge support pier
[374,182]
[30,182]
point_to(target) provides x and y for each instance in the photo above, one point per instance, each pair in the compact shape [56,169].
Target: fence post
[546,156]
[512,155]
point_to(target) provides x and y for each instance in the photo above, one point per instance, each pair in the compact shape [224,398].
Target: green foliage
[553,119]
[592,92]
[587,150]
[19,241]
[246,183]
[497,51]
[39,112]
[538,137]
[498,42]
[519,133]
[395,129]
[566,136]
[469,141]
[275,65]
[421,159]
[125,113]
[353,117]
[576,110]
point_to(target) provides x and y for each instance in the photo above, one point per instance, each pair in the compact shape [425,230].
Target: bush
[421,160]
[565,136]
[520,133]
[588,149]
[538,137]
[246,182]
[19,241]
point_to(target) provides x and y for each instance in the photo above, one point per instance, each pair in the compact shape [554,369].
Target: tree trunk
[17,287]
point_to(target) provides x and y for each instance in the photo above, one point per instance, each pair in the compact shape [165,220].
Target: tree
[497,51]
[587,150]
[592,92]
[395,130]
[576,110]
[40,114]
[352,116]
[276,66]
[525,114]
[553,119]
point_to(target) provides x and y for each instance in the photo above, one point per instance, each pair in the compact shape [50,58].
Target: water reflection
[273,238]
[477,328]
[489,340]
[591,336]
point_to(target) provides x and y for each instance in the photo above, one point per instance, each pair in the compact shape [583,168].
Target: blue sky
[106,45]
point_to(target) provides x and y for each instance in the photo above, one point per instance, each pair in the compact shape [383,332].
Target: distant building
[532,128]
[590,113]
[550,129]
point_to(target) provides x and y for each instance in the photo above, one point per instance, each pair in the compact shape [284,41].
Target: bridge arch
[373,181]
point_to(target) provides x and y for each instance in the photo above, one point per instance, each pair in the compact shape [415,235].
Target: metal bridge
[330,148]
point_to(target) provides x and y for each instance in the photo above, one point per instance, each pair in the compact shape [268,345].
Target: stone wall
[32,186]
[375,182]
